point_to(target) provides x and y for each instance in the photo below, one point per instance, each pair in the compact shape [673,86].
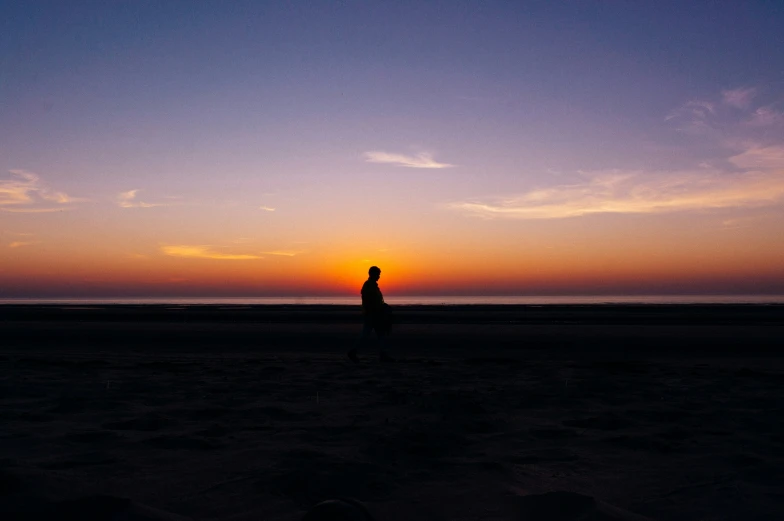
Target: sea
[413,300]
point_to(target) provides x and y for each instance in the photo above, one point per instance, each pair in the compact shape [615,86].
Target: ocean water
[416,300]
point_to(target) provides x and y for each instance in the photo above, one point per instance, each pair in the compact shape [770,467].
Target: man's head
[374,273]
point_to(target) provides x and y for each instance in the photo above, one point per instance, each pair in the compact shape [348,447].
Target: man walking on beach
[376,315]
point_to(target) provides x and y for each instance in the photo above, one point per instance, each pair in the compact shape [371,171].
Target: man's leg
[383,340]
[367,327]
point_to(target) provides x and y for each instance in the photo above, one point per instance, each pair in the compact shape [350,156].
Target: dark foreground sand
[674,413]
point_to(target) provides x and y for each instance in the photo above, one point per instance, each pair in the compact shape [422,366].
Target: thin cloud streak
[128,200]
[766,117]
[19,244]
[756,157]
[59,197]
[203,252]
[739,98]
[25,190]
[34,210]
[638,192]
[694,110]
[266,208]
[285,253]
[423,160]
[720,115]
[760,182]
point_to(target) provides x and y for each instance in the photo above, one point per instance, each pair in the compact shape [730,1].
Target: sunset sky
[254,148]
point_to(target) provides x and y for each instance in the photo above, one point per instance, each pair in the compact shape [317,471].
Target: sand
[672,413]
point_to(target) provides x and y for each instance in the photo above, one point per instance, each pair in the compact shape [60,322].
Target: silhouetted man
[376,315]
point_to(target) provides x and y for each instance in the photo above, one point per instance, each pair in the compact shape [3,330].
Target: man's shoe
[385,358]
[353,356]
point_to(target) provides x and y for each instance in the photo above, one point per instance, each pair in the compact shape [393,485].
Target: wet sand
[210,412]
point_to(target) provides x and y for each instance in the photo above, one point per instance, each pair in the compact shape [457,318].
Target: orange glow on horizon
[334,274]
[599,255]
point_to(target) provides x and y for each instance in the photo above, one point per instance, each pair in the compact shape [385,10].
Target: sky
[251,148]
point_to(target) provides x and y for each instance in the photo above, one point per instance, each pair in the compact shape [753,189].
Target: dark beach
[254,412]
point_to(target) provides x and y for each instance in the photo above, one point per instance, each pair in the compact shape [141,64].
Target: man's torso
[372,299]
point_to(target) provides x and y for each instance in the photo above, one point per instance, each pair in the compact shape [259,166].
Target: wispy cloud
[739,98]
[766,117]
[204,252]
[698,110]
[25,192]
[266,208]
[748,171]
[742,222]
[725,114]
[59,197]
[19,244]
[19,189]
[128,200]
[761,157]
[285,253]
[423,160]
[34,210]
[634,192]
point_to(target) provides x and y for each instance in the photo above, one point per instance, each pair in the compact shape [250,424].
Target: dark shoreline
[762,314]
[734,329]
